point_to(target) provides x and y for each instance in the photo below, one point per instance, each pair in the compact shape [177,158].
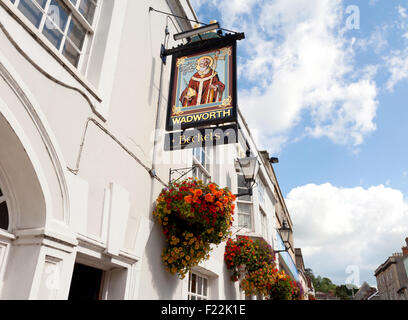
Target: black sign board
[203,84]
[202,137]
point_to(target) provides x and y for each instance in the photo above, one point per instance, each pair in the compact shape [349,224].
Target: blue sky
[328,97]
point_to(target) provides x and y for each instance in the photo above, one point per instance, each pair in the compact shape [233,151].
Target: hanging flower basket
[283,288]
[245,255]
[298,292]
[193,215]
[259,281]
[252,263]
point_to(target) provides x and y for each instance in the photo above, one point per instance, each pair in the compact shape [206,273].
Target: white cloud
[397,65]
[299,63]
[402,12]
[339,227]
[396,61]
[377,40]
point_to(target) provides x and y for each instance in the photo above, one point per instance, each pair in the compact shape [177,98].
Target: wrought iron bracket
[182,172]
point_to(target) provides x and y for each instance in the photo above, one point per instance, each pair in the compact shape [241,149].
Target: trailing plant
[244,255]
[259,281]
[298,292]
[193,215]
[283,288]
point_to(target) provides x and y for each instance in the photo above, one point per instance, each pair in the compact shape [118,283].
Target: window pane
[200,285]
[203,159]
[12,1]
[53,34]
[76,33]
[244,221]
[4,218]
[241,182]
[58,13]
[246,197]
[244,208]
[71,53]
[193,283]
[1,193]
[87,9]
[31,12]
[193,298]
[205,287]
[74,2]
[42,3]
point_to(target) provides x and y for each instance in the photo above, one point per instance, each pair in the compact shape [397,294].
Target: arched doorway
[36,245]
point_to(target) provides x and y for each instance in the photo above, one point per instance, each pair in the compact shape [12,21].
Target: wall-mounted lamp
[284,232]
[274,160]
[248,167]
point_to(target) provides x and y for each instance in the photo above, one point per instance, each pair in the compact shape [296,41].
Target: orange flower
[211,186]
[219,194]
[232,207]
[188,199]
[219,204]
[209,197]
[198,192]
[233,197]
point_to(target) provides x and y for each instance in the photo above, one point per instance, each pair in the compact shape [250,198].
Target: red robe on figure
[200,91]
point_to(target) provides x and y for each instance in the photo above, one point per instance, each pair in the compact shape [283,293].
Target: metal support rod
[173,15]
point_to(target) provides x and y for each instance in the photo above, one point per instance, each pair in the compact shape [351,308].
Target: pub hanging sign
[203,89]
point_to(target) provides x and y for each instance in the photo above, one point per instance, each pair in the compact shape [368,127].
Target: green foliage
[326,285]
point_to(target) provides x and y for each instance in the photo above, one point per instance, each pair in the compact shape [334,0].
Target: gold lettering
[227,112]
[182,140]
[176,120]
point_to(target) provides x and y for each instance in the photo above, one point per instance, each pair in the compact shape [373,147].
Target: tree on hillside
[324,284]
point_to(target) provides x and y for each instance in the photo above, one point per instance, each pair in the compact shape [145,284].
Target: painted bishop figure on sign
[204,86]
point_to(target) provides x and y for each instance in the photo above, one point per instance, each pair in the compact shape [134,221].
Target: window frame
[247,200]
[73,12]
[264,223]
[250,214]
[196,295]
[260,185]
[201,171]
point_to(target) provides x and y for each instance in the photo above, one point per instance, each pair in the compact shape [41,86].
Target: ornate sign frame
[203,86]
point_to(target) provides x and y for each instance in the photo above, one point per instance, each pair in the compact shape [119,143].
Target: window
[264,223]
[4,215]
[201,159]
[261,191]
[242,188]
[197,287]
[244,205]
[66,24]
[244,215]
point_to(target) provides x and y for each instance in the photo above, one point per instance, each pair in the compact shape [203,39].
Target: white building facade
[83,97]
